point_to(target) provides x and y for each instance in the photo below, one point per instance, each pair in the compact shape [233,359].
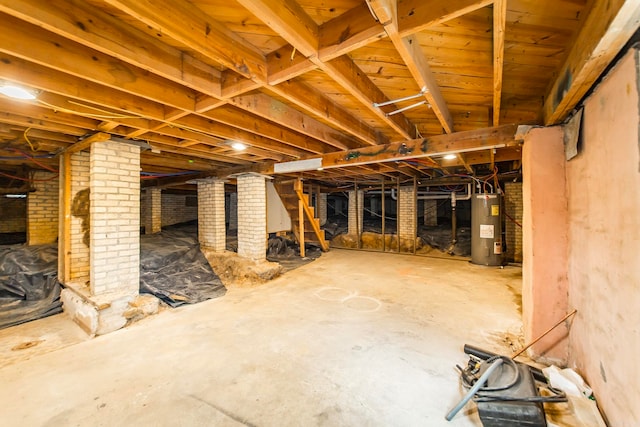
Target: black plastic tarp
[173,268]
[29,288]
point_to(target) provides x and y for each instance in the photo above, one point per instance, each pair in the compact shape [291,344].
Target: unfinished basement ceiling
[291,80]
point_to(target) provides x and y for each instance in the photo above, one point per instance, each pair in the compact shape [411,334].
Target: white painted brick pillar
[322,208]
[233,211]
[353,215]
[431,212]
[211,218]
[252,216]
[407,215]
[42,209]
[153,218]
[115,218]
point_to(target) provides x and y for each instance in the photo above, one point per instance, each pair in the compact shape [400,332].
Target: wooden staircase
[305,225]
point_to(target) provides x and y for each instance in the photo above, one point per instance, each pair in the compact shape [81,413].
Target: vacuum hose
[472,391]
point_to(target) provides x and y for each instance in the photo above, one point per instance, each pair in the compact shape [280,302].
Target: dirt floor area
[353,338]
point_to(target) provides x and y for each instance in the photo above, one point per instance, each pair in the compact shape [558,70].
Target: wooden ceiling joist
[606,30]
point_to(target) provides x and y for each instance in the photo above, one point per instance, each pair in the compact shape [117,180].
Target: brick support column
[513,208]
[252,216]
[407,214]
[355,215]
[431,212]
[233,211]
[322,208]
[153,214]
[115,218]
[79,233]
[211,218]
[42,210]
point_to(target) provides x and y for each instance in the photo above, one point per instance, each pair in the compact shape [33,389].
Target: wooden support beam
[606,30]
[292,22]
[267,107]
[85,143]
[349,31]
[314,102]
[186,23]
[413,56]
[417,15]
[466,165]
[84,24]
[460,142]
[499,27]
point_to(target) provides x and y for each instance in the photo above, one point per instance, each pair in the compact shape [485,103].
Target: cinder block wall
[79,257]
[13,217]
[115,218]
[513,207]
[42,210]
[407,215]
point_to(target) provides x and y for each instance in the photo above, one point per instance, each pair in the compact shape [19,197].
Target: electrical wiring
[513,220]
[26,138]
[28,179]
[33,159]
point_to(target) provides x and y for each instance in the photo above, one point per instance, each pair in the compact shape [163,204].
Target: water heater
[486,229]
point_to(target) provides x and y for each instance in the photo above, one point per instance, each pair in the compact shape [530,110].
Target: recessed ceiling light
[449,156]
[17,92]
[238,146]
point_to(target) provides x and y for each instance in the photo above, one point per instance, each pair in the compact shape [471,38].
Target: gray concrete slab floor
[352,339]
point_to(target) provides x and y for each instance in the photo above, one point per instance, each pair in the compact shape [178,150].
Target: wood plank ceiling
[292,79]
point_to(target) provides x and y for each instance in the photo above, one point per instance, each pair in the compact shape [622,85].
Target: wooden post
[415,213]
[398,211]
[384,239]
[65,270]
[301,227]
[358,231]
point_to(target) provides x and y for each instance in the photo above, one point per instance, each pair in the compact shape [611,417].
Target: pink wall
[544,242]
[603,184]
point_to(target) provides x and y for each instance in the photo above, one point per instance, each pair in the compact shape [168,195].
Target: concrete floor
[352,339]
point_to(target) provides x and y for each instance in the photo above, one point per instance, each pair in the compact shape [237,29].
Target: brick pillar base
[211,216]
[252,216]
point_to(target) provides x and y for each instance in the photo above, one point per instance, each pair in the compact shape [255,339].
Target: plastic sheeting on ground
[173,268]
[29,288]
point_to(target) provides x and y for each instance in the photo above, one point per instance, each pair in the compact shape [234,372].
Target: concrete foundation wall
[604,240]
[14,215]
[545,240]
[42,210]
